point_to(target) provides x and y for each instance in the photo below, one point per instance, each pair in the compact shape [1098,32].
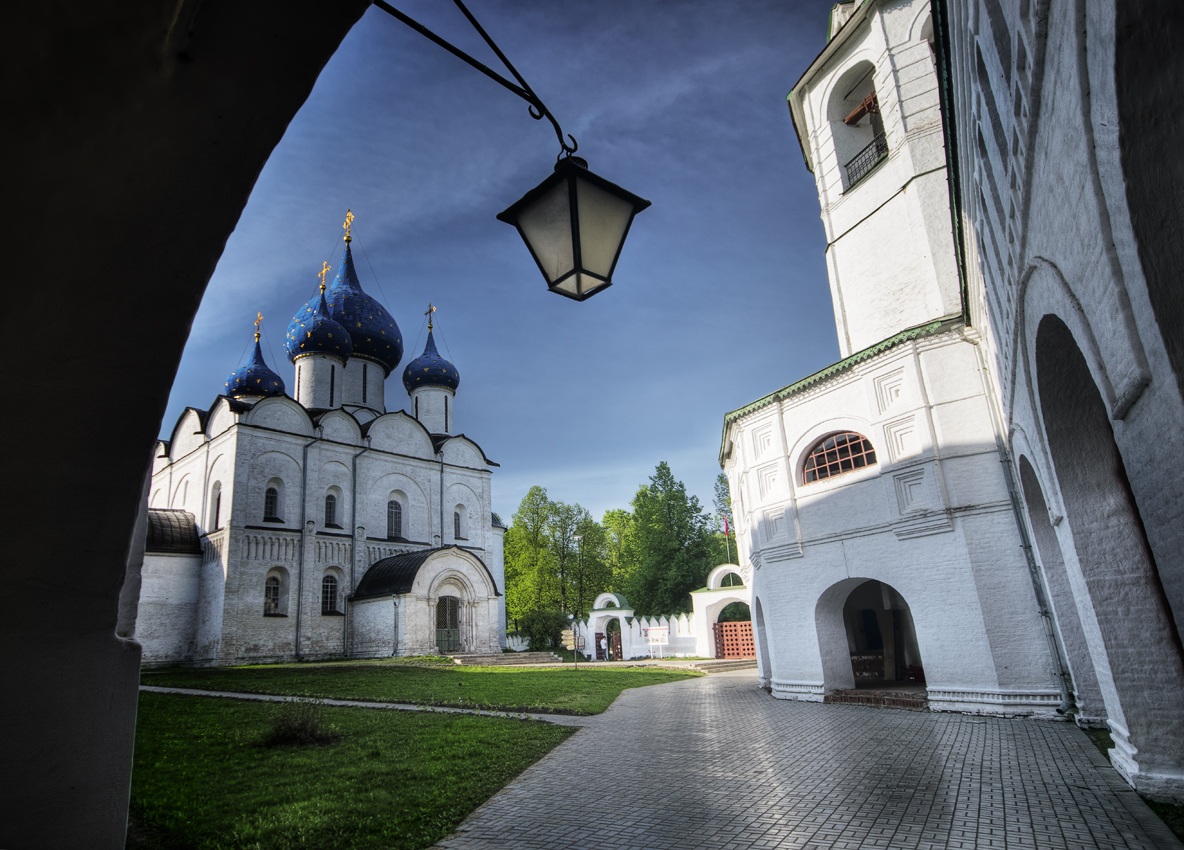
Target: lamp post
[575,222]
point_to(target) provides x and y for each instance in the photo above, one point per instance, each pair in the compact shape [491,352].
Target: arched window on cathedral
[275,593]
[836,454]
[330,600]
[394,519]
[458,523]
[273,501]
[216,506]
[331,511]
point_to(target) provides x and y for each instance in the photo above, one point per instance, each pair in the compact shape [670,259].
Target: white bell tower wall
[868,118]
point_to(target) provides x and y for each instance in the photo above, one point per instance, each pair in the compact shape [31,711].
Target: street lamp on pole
[575,222]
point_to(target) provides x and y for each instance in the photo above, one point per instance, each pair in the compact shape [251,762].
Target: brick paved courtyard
[715,762]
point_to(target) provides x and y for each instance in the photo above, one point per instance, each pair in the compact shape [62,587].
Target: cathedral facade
[321,525]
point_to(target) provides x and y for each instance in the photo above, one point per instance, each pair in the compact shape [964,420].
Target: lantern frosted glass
[575,223]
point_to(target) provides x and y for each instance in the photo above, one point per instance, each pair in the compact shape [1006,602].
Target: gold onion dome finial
[349,221]
[431,309]
[258,322]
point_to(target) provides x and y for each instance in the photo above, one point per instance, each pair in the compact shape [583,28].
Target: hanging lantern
[574,224]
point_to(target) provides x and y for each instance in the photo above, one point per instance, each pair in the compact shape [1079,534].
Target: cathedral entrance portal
[448,624]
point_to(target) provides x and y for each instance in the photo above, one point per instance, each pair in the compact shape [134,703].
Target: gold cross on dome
[324,271]
[431,309]
[349,220]
[258,322]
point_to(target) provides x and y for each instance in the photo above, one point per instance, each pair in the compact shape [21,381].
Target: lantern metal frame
[567,167]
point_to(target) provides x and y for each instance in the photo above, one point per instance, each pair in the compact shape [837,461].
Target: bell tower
[868,119]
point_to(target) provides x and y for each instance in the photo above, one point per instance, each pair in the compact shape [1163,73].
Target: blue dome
[254,378]
[313,332]
[371,328]
[430,369]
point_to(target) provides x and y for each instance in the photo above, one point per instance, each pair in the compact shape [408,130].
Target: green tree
[725,545]
[555,557]
[673,544]
[592,574]
[527,558]
[620,549]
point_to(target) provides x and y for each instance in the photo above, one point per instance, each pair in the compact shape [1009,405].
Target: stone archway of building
[612,633]
[868,644]
[763,659]
[1082,680]
[1142,672]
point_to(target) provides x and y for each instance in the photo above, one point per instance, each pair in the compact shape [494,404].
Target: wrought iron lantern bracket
[538,109]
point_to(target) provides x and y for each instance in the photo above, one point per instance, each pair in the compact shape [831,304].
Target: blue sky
[720,295]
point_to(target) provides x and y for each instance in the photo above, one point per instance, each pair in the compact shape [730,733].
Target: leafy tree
[555,559]
[674,552]
[725,546]
[543,629]
[620,549]
[592,573]
[528,560]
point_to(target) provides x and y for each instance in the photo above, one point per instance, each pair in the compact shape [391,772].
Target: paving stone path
[716,763]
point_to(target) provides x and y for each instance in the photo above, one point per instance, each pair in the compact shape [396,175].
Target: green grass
[393,779]
[560,690]
[1171,814]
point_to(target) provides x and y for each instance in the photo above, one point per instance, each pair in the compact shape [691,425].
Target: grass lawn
[393,779]
[559,690]
[203,778]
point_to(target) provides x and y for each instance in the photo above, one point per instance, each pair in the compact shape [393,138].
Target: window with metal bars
[329,595]
[271,597]
[394,519]
[837,454]
[271,504]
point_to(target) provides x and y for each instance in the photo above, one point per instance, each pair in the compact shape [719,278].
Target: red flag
[725,526]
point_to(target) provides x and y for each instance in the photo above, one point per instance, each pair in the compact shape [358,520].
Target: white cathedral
[323,526]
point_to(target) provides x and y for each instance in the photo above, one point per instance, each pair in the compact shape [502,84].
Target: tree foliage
[559,559]
[673,546]
[555,559]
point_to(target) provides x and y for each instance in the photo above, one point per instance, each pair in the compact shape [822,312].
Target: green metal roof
[835,369]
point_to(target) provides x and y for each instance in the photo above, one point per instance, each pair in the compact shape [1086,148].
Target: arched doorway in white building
[1105,539]
[867,638]
[722,613]
[606,622]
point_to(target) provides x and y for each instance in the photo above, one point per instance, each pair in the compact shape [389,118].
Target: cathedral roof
[313,331]
[172,531]
[254,378]
[373,331]
[395,575]
[430,369]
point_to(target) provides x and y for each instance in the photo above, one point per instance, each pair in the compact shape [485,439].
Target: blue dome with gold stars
[373,331]
[254,378]
[312,331]
[430,369]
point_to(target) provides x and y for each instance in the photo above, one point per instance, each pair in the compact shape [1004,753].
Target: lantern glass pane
[604,220]
[546,227]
